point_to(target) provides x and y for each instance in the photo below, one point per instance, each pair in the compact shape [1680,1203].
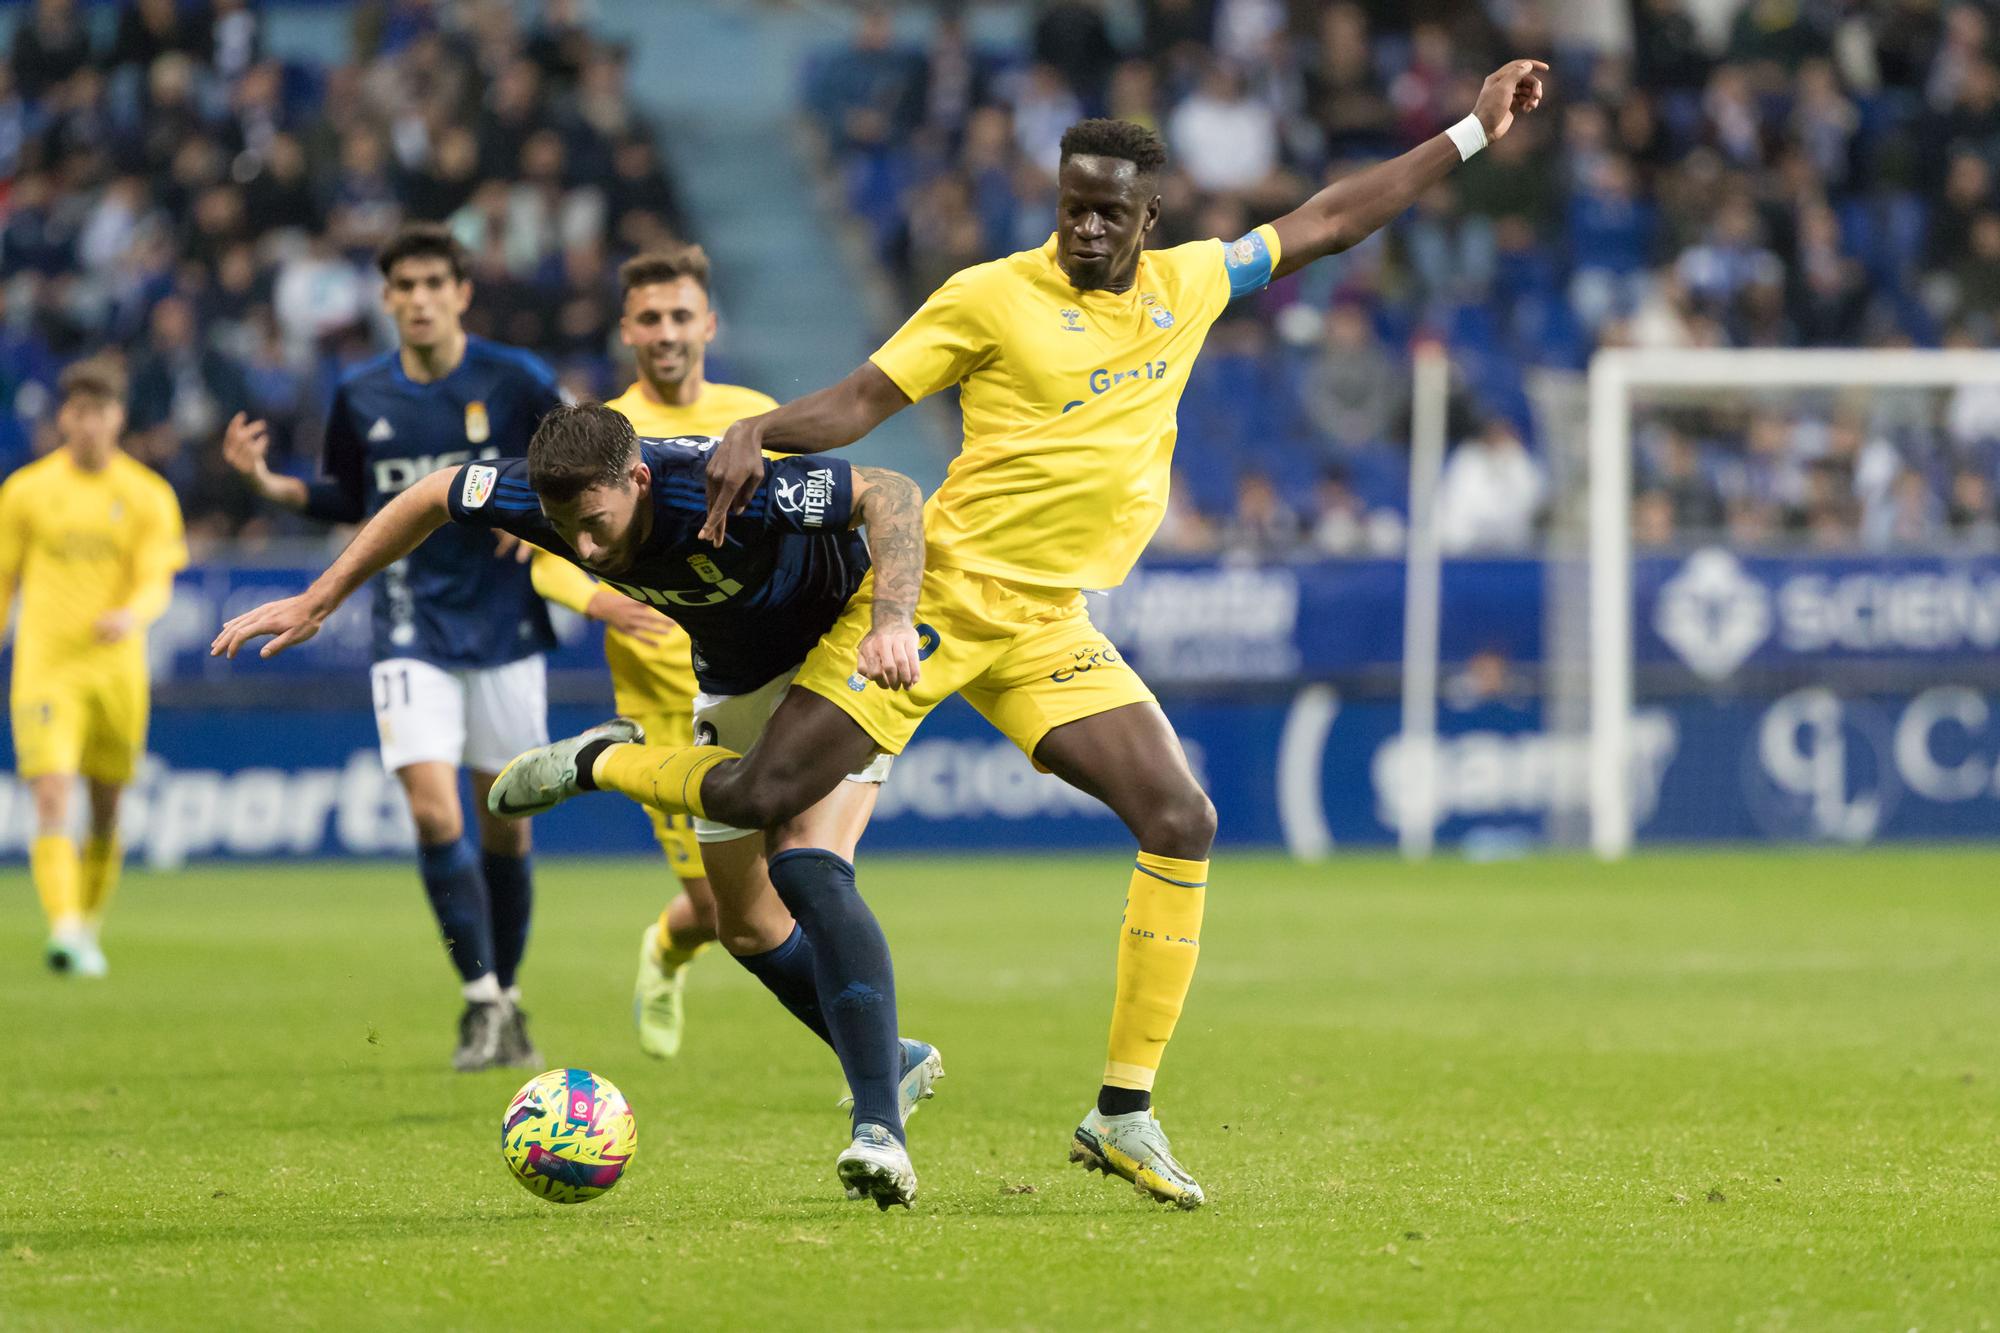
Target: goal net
[1790,600]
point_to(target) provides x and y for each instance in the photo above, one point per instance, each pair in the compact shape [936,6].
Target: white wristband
[1468,136]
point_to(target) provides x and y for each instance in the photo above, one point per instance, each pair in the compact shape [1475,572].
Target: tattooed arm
[891,507]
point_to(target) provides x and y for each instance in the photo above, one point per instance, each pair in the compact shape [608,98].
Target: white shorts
[479,717]
[735,721]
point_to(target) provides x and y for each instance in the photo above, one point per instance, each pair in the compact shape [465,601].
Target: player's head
[1109,188]
[585,467]
[91,417]
[426,284]
[667,320]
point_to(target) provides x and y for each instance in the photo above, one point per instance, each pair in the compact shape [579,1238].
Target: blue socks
[510,889]
[856,982]
[458,899]
[787,972]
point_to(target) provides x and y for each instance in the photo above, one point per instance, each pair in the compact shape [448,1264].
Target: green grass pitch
[1702,1091]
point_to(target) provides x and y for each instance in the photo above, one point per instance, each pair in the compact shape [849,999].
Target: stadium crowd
[175,193]
[1822,174]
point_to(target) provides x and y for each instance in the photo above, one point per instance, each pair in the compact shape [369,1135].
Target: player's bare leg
[505,846]
[58,874]
[1130,759]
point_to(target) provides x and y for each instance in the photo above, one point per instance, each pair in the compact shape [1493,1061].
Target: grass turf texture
[1690,1091]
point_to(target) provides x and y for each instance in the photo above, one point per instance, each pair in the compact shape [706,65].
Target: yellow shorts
[675,833]
[1027,658]
[93,723]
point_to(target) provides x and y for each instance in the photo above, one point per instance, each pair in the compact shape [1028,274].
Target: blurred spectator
[871,96]
[1071,37]
[1489,494]
[1974,519]
[1909,515]
[1342,524]
[1262,524]
[50,45]
[1043,109]
[1653,520]
[957,80]
[1691,494]
[181,390]
[1223,138]
[1355,390]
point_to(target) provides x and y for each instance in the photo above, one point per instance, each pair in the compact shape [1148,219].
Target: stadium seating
[1815,175]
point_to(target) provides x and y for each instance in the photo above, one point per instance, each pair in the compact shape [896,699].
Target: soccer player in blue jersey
[459,633]
[630,511]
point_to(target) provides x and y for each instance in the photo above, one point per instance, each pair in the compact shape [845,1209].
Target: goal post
[1423,575]
[1616,378]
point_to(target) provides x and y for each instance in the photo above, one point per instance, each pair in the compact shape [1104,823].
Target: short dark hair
[689,261]
[577,447]
[424,240]
[1124,139]
[97,377]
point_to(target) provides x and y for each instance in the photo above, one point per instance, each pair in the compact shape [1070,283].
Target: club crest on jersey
[1072,321]
[478,485]
[1160,314]
[477,427]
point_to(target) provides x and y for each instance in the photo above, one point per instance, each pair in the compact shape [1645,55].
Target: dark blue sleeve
[341,493]
[496,495]
[805,493]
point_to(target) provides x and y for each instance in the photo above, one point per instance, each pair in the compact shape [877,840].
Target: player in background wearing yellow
[668,321]
[92,538]
[1070,361]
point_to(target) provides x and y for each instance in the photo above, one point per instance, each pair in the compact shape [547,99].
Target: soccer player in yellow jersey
[1070,360]
[668,321]
[91,537]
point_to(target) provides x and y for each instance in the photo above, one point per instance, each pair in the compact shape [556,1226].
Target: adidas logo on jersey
[381,431]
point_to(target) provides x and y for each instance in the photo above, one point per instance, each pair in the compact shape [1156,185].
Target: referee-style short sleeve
[946,340]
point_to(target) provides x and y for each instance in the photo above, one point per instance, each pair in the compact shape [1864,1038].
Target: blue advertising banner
[1313,772]
[1208,623]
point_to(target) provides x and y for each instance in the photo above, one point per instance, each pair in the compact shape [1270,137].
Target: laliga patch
[477,426]
[478,487]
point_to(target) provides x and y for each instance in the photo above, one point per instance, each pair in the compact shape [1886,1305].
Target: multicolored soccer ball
[568,1135]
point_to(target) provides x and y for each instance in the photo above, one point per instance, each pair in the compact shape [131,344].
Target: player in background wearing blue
[630,511]
[459,633]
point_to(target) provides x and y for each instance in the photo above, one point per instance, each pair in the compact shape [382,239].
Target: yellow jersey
[1068,399]
[78,544]
[663,671]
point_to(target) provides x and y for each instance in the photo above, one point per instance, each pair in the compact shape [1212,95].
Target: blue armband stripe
[1248,264]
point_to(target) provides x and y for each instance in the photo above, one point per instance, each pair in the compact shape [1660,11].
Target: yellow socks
[1157,949]
[665,777]
[52,863]
[103,858]
[672,956]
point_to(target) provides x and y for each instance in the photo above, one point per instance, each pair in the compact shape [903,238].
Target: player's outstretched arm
[1354,207]
[891,507]
[835,416]
[393,533]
